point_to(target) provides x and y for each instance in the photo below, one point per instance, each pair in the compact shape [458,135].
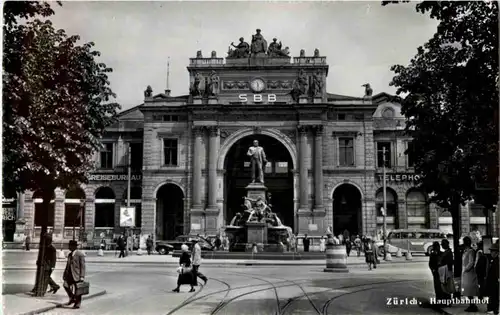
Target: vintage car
[163,248]
[186,239]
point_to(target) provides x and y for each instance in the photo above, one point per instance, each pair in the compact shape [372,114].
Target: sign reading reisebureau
[114,177]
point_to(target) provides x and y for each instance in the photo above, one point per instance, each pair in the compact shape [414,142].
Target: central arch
[347,209]
[278,174]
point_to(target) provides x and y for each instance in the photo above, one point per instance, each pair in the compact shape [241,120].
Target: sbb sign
[271,98]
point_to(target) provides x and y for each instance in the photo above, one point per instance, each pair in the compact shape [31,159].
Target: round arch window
[388,113]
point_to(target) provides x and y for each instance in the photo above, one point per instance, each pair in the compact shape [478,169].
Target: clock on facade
[257,85]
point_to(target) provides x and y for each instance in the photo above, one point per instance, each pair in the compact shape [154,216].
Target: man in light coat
[469,277]
[196,262]
[74,273]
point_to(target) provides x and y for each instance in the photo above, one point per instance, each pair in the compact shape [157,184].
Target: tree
[56,104]
[451,104]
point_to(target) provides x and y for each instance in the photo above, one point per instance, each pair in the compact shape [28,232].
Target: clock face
[257,85]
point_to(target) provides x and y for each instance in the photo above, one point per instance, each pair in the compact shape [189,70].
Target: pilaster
[433,216]
[318,169]
[304,187]
[197,168]
[212,167]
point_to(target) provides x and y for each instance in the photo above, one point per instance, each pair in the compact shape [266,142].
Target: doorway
[347,210]
[169,212]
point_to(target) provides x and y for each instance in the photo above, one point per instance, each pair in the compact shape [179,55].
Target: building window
[107,156]
[415,204]
[346,151]
[170,149]
[410,154]
[136,153]
[42,214]
[380,152]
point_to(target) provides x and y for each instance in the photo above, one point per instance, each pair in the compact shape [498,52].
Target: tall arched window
[73,214]
[391,211]
[104,208]
[416,209]
[135,201]
[39,211]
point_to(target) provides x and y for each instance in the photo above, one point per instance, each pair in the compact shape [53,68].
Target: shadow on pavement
[16,288]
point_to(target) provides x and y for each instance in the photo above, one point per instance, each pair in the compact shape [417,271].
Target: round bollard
[100,252]
[408,256]
[336,258]
[399,254]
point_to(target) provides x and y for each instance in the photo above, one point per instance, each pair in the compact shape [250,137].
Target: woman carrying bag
[184,270]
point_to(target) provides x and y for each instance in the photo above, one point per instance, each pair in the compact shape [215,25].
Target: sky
[361,40]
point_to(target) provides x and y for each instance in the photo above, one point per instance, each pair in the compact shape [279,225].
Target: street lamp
[385,205]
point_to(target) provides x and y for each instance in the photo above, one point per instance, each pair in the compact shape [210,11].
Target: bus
[414,240]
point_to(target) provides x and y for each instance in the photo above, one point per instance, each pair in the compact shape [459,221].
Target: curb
[56,305]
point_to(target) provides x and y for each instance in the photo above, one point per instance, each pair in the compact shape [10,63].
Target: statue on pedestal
[368,90]
[198,85]
[317,83]
[300,86]
[275,50]
[213,84]
[241,51]
[259,44]
[148,92]
[258,161]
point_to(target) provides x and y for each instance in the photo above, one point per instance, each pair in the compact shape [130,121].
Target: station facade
[190,168]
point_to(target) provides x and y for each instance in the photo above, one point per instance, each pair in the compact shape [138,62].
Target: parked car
[186,239]
[163,248]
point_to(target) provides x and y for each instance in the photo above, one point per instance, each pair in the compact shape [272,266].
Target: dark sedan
[163,247]
[186,239]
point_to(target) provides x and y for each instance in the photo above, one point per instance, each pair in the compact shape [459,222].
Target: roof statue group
[205,86]
[258,47]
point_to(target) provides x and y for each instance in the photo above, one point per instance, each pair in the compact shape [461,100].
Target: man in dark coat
[121,246]
[48,264]
[149,244]
[434,259]
[74,273]
[492,287]
[446,260]
[306,242]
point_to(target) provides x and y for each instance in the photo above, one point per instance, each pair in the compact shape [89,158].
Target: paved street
[146,289]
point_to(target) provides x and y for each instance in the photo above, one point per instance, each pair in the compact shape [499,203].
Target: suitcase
[82,288]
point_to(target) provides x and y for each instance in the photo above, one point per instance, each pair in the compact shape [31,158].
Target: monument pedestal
[256,190]
[256,234]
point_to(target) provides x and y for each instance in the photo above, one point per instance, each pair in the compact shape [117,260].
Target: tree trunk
[457,232]
[41,279]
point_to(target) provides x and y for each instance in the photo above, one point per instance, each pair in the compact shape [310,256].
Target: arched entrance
[347,210]
[278,177]
[169,212]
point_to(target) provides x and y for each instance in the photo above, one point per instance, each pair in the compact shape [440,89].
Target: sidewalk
[111,258]
[20,303]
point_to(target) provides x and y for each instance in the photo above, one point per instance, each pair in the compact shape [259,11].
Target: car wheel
[163,251]
[381,251]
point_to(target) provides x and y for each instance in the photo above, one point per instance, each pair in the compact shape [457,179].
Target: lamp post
[385,205]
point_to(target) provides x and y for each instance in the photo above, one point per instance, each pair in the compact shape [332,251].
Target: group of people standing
[479,277]
[189,264]
[73,273]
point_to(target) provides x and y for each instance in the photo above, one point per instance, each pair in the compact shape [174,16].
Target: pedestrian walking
[121,246]
[357,243]
[492,289]
[74,273]
[293,244]
[445,270]
[185,270]
[346,235]
[27,242]
[47,264]
[306,243]
[369,258]
[322,244]
[469,277]
[196,261]
[348,247]
[149,244]
[480,267]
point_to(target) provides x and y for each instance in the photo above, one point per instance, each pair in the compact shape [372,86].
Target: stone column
[20,206]
[304,191]
[212,167]
[197,168]
[318,169]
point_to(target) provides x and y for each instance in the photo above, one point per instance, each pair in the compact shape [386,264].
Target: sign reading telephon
[114,177]
[399,177]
